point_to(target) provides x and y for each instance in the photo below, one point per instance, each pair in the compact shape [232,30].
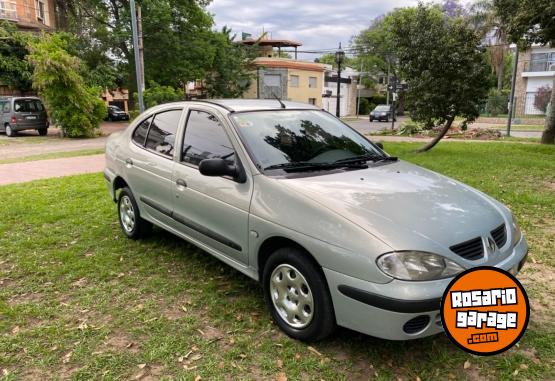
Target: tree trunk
[548,136]
[500,74]
[436,140]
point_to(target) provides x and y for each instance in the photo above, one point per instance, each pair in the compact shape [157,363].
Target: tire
[130,221]
[312,316]
[9,131]
[43,131]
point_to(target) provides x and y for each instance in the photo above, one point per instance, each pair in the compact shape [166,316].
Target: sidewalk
[44,169]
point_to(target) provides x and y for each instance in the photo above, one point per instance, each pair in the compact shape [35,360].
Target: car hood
[406,206]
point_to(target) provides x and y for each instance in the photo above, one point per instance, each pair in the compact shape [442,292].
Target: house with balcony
[29,15]
[285,78]
[536,68]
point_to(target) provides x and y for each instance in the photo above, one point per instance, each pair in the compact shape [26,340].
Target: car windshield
[288,137]
[28,105]
[115,108]
[382,108]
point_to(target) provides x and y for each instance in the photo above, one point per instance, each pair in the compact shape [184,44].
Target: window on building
[312,82]
[205,138]
[294,80]
[39,7]
[272,80]
[161,135]
[312,101]
[8,10]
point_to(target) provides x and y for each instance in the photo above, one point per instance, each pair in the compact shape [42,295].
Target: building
[29,15]
[116,97]
[349,91]
[285,78]
[536,68]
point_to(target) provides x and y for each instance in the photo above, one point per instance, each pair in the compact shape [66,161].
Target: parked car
[22,113]
[382,113]
[115,113]
[337,231]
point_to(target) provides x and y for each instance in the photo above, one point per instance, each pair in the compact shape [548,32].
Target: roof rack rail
[215,103]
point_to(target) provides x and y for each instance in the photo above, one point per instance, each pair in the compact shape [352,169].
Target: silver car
[337,231]
[22,113]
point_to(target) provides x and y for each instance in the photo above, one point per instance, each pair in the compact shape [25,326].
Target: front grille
[500,235]
[416,324]
[471,250]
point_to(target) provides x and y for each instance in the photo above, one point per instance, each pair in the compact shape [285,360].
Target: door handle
[129,162]
[181,183]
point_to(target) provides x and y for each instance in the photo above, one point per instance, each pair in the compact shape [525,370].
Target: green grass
[519,127]
[53,155]
[80,301]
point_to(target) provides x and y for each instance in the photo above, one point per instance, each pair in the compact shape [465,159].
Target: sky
[318,24]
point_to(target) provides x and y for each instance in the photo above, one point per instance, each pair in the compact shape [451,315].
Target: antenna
[279,100]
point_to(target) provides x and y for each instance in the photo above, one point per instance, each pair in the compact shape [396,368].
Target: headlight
[517,234]
[417,265]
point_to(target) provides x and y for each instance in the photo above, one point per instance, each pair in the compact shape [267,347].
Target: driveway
[29,143]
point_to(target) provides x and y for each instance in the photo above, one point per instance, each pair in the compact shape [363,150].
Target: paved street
[28,143]
[44,169]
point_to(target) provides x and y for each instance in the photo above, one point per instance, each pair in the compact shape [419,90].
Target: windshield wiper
[308,166]
[364,158]
[297,166]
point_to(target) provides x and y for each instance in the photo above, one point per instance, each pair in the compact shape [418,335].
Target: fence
[524,106]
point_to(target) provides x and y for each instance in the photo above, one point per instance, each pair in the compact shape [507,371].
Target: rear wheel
[43,131]
[10,131]
[132,225]
[297,295]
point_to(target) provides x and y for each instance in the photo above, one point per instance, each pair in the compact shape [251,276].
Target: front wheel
[10,131]
[297,295]
[130,220]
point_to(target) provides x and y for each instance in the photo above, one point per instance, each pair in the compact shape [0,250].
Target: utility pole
[138,69]
[388,74]
[141,46]
[512,96]
[339,57]
[358,88]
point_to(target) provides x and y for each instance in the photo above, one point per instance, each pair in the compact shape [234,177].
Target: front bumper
[398,310]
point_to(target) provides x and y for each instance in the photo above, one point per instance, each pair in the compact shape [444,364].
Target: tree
[329,59]
[488,24]
[440,60]
[15,70]
[542,97]
[528,22]
[230,71]
[156,94]
[73,106]
[179,43]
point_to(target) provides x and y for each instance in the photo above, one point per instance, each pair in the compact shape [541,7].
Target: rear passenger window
[161,136]
[205,138]
[6,106]
[139,135]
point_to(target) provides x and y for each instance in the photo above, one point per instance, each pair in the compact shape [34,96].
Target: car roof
[242,105]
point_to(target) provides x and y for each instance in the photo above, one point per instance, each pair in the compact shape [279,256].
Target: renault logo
[491,245]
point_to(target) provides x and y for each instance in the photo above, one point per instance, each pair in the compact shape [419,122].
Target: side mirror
[379,144]
[218,168]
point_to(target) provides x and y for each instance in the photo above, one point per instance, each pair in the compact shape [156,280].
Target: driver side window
[205,138]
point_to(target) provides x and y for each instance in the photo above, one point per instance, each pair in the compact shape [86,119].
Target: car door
[2,115]
[149,164]
[212,210]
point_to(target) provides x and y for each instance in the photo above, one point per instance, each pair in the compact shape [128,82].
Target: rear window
[27,105]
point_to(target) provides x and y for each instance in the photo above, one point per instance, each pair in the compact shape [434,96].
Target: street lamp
[339,57]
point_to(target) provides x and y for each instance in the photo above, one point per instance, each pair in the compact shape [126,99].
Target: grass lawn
[78,300]
[53,155]
[519,127]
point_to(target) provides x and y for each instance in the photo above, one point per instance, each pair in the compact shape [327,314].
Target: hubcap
[8,130]
[291,296]
[127,214]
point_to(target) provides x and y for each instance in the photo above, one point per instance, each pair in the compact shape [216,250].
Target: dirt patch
[119,341]
[540,278]
[64,372]
[550,185]
[28,298]
[150,372]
